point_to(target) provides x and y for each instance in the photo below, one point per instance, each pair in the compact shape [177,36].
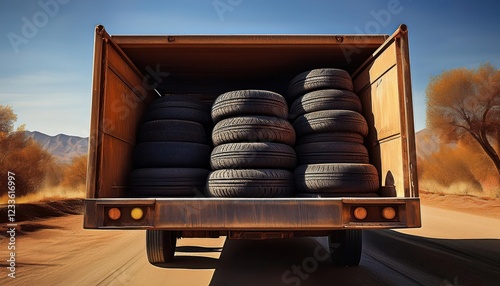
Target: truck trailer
[132,71]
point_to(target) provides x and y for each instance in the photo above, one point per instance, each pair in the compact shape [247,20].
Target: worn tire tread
[249,102]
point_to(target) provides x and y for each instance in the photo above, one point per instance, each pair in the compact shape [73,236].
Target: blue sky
[45,72]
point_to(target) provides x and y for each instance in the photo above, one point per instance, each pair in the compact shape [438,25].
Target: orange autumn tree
[75,174]
[32,165]
[465,104]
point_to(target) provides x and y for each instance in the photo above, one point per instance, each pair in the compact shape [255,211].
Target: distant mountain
[427,143]
[63,147]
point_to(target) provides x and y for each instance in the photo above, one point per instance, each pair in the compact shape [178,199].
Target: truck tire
[249,102]
[181,113]
[253,129]
[254,183]
[179,100]
[336,178]
[331,152]
[160,246]
[325,99]
[172,107]
[171,154]
[331,121]
[172,130]
[257,155]
[318,79]
[346,247]
[166,182]
[331,137]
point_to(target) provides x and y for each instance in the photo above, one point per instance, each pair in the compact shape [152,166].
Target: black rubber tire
[179,107]
[171,154]
[331,121]
[249,102]
[257,155]
[160,246]
[172,130]
[164,182]
[346,247]
[325,99]
[331,152]
[182,100]
[181,113]
[253,183]
[331,137]
[253,129]
[318,79]
[336,195]
[337,178]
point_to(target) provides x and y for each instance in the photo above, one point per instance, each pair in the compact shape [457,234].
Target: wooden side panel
[386,156]
[122,109]
[378,87]
[117,108]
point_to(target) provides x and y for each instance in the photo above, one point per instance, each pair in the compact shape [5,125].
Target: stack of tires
[253,155]
[330,132]
[172,151]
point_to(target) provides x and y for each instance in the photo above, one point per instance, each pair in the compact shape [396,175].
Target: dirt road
[451,249]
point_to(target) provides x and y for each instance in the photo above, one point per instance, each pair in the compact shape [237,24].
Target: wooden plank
[381,106]
[137,82]
[123,109]
[116,166]
[383,63]
[387,157]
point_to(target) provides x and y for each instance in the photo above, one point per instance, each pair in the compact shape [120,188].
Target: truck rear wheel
[346,247]
[160,246]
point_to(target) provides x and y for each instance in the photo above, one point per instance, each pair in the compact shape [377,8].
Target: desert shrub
[32,165]
[461,168]
[75,173]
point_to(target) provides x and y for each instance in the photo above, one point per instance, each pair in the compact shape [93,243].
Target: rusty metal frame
[230,214]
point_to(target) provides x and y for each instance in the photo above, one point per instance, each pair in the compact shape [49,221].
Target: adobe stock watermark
[11,225]
[451,283]
[223,6]
[298,273]
[32,25]
[381,19]
[125,105]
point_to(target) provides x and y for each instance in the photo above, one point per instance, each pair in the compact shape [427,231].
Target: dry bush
[459,169]
[32,165]
[75,174]
[25,158]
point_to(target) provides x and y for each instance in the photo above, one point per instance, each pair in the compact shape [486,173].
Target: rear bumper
[238,214]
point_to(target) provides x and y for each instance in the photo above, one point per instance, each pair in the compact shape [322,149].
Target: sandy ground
[489,207]
[452,248]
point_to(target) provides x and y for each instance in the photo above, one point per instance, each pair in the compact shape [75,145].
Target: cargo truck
[131,71]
